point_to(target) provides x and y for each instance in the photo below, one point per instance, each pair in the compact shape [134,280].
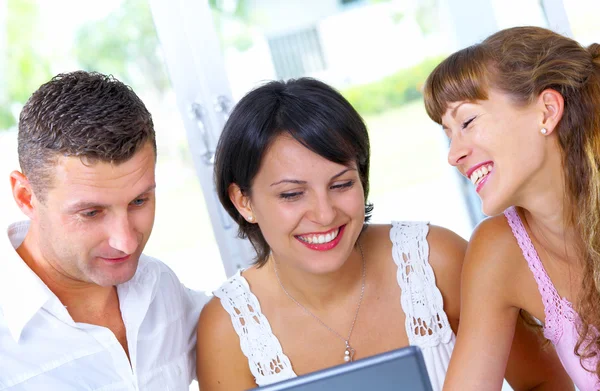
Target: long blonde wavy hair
[523,62]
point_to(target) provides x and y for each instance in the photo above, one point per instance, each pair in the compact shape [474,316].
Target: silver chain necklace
[349,350]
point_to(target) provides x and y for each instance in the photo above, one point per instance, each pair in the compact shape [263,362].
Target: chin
[493,207]
[324,267]
[116,277]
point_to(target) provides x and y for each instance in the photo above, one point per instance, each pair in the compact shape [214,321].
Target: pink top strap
[556,309]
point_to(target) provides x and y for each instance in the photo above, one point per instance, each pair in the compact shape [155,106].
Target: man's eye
[139,201]
[91,213]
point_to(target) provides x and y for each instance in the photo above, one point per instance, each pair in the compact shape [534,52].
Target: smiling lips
[322,241]
[479,174]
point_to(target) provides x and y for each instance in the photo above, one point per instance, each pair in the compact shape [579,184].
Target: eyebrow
[299,182]
[87,205]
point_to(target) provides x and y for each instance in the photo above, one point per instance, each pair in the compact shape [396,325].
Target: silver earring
[544,131]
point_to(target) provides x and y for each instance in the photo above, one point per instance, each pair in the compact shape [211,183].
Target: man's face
[96,218]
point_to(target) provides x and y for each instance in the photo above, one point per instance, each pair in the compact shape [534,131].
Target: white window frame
[191,49]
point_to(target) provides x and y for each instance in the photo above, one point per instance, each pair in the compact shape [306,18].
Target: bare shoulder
[221,365]
[214,320]
[376,243]
[215,330]
[377,237]
[446,248]
[494,262]
[446,255]
[493,246]
[446,251]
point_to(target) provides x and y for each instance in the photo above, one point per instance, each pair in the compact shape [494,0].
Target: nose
[123,236]
[458,151]
[322,210]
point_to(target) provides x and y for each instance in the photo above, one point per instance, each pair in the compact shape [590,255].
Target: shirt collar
[22,292]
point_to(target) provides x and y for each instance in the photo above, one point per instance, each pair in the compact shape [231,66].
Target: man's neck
[82,299]
[85,302]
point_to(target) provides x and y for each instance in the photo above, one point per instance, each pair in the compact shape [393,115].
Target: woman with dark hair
[292,169]
[522,110]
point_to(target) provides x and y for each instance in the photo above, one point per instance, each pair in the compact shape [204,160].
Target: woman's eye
[344,185]
[290,196]
[468,122]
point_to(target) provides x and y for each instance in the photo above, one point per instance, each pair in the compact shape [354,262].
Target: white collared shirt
[42,348]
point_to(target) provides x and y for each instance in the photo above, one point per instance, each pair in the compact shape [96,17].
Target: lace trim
[555,307]
[265,356]
[427,324]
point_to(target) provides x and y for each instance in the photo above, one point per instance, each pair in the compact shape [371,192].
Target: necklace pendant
[349,353]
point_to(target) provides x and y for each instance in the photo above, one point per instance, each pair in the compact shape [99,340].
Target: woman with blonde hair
[522,111]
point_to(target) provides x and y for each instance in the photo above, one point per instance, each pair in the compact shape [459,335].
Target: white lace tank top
[426,324]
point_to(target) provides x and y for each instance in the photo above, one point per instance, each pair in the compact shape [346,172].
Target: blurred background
[191,60]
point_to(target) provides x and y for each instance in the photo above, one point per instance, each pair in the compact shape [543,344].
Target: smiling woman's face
[310,210]
[498,146]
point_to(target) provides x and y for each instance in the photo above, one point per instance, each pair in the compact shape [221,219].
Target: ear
[553,105]
[22,193]
[241,202]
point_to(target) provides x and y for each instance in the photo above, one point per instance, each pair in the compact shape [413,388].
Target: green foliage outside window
[395,90]
[25,68]
[124,43]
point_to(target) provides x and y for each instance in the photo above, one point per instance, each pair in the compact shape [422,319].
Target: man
[81,308]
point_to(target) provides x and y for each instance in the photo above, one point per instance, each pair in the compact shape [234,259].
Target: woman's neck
[319,292]
[546,210]
[548,218]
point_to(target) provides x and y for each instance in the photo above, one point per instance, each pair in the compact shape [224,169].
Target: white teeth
[480,173]
[320,239]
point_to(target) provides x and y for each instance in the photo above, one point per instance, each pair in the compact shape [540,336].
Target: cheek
[69,241]
[280,214]
[513,148]
[353,201]
[59,230]
[278,219]
[83,236]
[143,219]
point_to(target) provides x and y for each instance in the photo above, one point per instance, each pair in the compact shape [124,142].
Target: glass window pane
[115,37]
[378,54]
[583,17]
[530,13]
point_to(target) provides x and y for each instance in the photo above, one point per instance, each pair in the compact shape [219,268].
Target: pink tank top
[561,319]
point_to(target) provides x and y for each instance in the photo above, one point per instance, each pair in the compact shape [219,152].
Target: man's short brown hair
[85,114]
